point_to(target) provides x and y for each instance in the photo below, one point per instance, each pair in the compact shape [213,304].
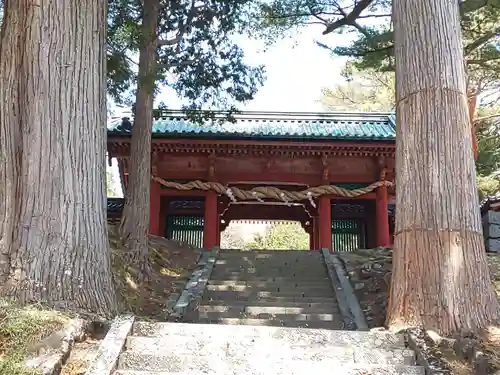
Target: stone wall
[491,230]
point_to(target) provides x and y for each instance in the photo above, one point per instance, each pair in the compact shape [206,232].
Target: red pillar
[217,239]
[316,233]
[154,208]
[382,214]
[311,235]
[325,223]
[210,223]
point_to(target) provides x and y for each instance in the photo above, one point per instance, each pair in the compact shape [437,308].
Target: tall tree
[440,275]
[53,239]
[186,45]
[134,225]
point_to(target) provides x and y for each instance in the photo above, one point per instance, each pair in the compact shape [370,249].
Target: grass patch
[20,330]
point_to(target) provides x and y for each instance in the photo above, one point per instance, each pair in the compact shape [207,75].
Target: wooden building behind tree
[289,151]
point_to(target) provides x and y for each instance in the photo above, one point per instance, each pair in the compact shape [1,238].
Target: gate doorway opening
[262,235]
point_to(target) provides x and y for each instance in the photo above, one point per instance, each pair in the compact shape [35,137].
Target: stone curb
[339,294]
[51,363]
[194,288]
[427,356]
[332,261]
[106,359]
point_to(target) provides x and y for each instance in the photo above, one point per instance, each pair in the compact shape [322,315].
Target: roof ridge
[277,115]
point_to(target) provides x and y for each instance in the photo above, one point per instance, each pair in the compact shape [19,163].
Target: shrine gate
[289,151]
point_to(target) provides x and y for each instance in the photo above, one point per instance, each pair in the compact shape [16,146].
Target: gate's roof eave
[299,126]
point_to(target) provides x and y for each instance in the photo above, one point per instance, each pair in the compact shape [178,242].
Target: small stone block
[109,351]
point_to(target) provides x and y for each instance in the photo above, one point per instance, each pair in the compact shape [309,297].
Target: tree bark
[440,274]
[135,219]
[53,244]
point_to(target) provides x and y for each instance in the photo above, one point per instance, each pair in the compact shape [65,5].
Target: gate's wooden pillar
[210,222]
[218,230]
[154,208]
[314,235]
[317,246]
[311,234]
[325,223]
[382,215]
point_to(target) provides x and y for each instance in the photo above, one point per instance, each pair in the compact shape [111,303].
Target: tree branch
[486,117]
[349,19]
[478,42]
[182,29]
[473,5]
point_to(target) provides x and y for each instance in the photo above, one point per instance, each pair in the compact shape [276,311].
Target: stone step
[268,279]
[295,295]
[269,265]
[272,282]
[270,253]
[286,335]
[289,274]
[224,363]
[269,321]
[275,263]
[217,298]
[243,349]
[297,277]
[343,370]
[278,288]
[285,317]
[271,270]
[269,307]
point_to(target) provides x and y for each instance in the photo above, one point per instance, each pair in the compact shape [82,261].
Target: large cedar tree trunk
[135,221]
[53,237]
[440,274]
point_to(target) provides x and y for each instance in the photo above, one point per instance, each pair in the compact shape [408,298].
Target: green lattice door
[187,229]
[348,234]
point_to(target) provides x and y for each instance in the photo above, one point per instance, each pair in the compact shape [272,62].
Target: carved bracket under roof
[384,169]
[121,147]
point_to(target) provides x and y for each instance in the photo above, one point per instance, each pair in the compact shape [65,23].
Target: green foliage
[196,56]
[487,186]
[109,185]
[488,139]
[364,90]
[488,142]
[21,329]
[281,236]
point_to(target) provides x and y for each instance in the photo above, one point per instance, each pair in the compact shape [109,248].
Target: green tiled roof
[272,125]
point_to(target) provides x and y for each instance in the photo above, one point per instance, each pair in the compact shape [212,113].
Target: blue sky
[296,70]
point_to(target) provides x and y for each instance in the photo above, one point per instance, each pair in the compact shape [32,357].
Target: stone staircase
[262,313]
[272,288]
[195,349]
